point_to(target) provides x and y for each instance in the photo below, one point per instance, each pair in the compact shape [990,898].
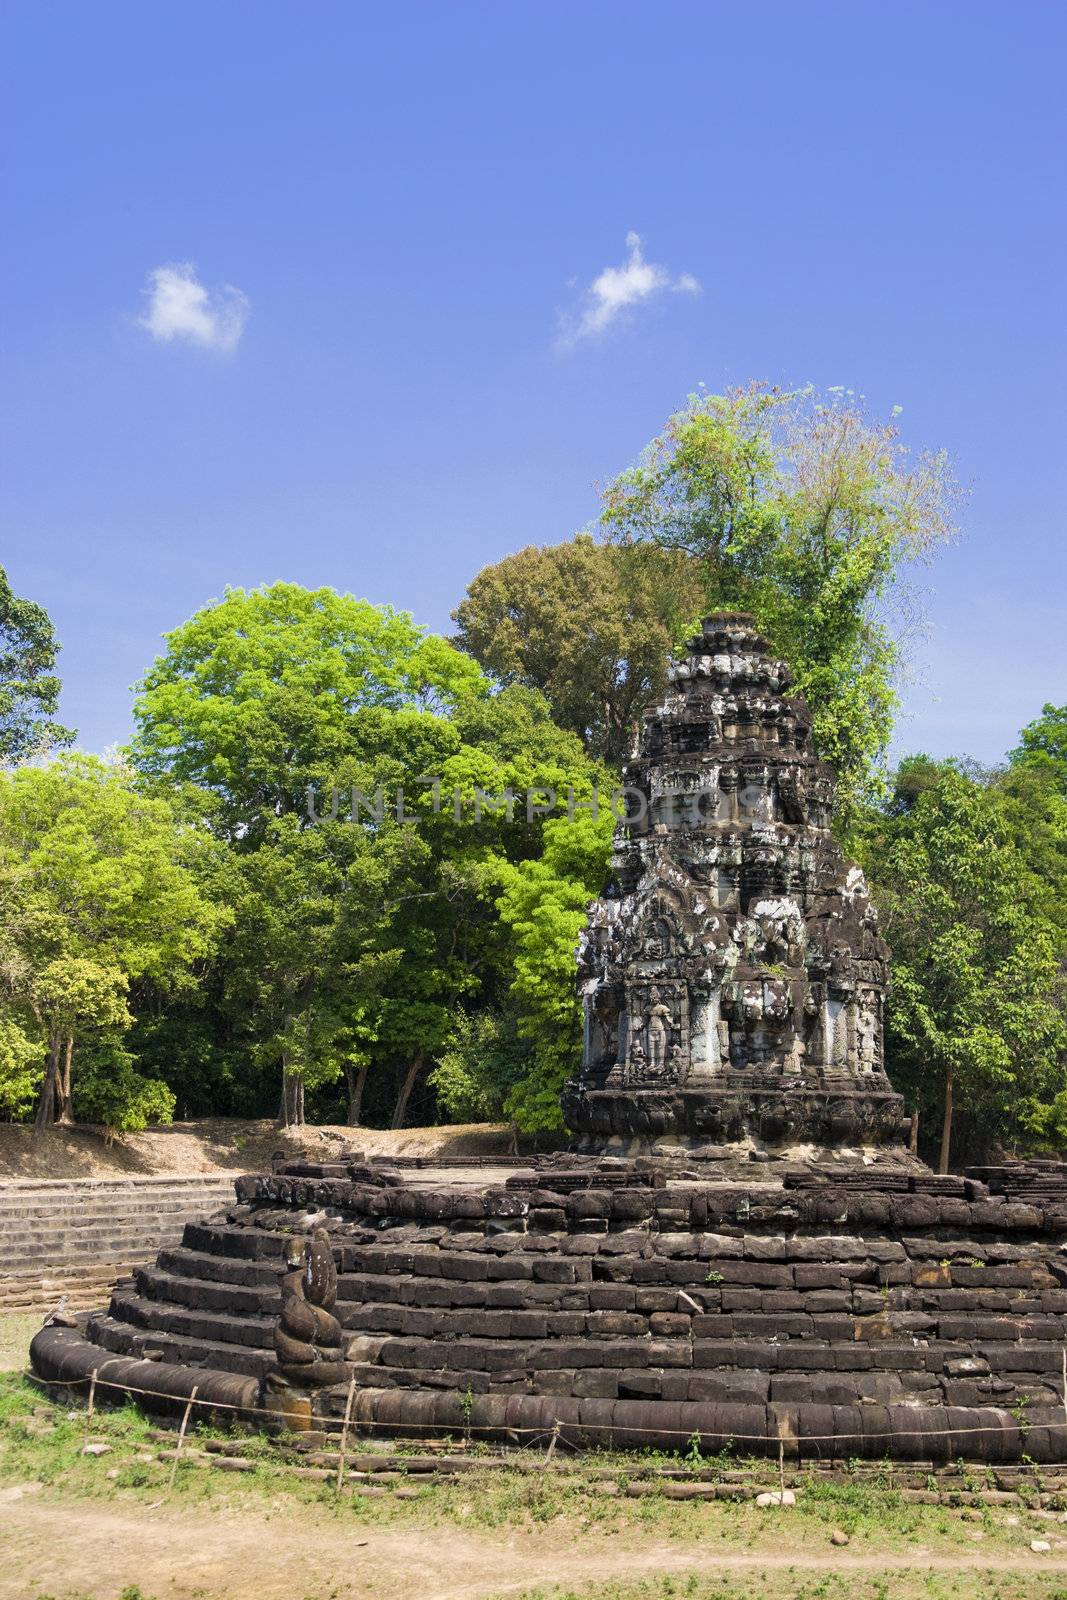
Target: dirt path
[89,1548]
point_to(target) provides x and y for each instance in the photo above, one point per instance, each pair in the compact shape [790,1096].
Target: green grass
[17,1328]
[41,1443]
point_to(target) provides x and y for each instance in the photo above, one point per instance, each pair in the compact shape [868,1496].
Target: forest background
[184,932]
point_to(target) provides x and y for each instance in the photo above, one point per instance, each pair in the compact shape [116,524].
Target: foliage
[362,931]
[1043,744]
[976,1007]
[21,1065]
[544,905]
[589,625]
[29,687]
[480,1065]
[101,888]
[267,690]
[110,1090]
[804,513]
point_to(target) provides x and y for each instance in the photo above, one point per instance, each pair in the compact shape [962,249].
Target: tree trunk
[913,1134]
[46,1104]
[64,1114]
[946,1126]
[405,1092]
[355,1082]
[291,1110]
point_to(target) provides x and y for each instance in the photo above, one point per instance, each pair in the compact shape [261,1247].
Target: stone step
[199,1294]
[84,1289]
[119,1338]
[164,1316]
[87,1242]
[207,1268]
[80,1215]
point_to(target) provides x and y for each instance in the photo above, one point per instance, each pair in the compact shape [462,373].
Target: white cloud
[615,289]
[179,307]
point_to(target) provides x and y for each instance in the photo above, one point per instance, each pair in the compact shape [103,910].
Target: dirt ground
[94,1507]
[95,1549]
[220,1144]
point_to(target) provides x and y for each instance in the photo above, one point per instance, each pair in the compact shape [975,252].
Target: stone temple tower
[732,973]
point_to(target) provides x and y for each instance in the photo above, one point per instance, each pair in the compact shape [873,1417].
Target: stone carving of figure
[659,1019]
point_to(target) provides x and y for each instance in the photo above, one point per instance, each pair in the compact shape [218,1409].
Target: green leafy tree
[589,625]
[976,1014]
[268,691]
[313,909]
[21,1065]
[544,905]
[1043,744]
[363,933]
[101,889]
[806,514]
[29,687]
[483,1061]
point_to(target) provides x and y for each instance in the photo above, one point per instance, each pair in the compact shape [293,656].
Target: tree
[101,888]
[29,688]
[268,691]
[976,1014]
[544,904]
[313,909]
[1043,744]
[806,514]
[589,625]
[363,931]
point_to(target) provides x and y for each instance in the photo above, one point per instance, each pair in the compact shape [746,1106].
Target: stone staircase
[79,1236]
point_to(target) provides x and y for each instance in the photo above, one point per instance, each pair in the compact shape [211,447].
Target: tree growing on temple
[29,687]
[805,513]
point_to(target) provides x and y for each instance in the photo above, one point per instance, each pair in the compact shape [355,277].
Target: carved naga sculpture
[307,1336]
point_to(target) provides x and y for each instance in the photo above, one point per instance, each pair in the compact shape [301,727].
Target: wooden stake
[552,1442]
[92,1400]
[344,1433]
[781,1471]
[181,1434]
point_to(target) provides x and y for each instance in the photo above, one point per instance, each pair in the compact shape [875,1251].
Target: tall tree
[976,1018]
[270,690]
[29,687]
[101,888]
[803,512]
[363,929]
[589,625]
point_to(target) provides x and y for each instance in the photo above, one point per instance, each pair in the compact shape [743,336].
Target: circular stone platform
[848,1310]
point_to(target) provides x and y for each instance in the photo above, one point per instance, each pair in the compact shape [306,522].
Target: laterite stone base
[871,1311]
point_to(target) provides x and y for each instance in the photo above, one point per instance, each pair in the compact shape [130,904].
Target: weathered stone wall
[867,1322]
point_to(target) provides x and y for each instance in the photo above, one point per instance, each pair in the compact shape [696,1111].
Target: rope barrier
[325,1424]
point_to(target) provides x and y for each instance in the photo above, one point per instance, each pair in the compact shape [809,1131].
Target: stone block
[669,1325]
[651,1298]
[615,1297]
[625,1323]
[812,1275]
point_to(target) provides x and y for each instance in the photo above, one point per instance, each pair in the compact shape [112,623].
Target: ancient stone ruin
[738,1246]
[732,975]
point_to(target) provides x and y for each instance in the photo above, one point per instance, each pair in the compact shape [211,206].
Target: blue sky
[407,376]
